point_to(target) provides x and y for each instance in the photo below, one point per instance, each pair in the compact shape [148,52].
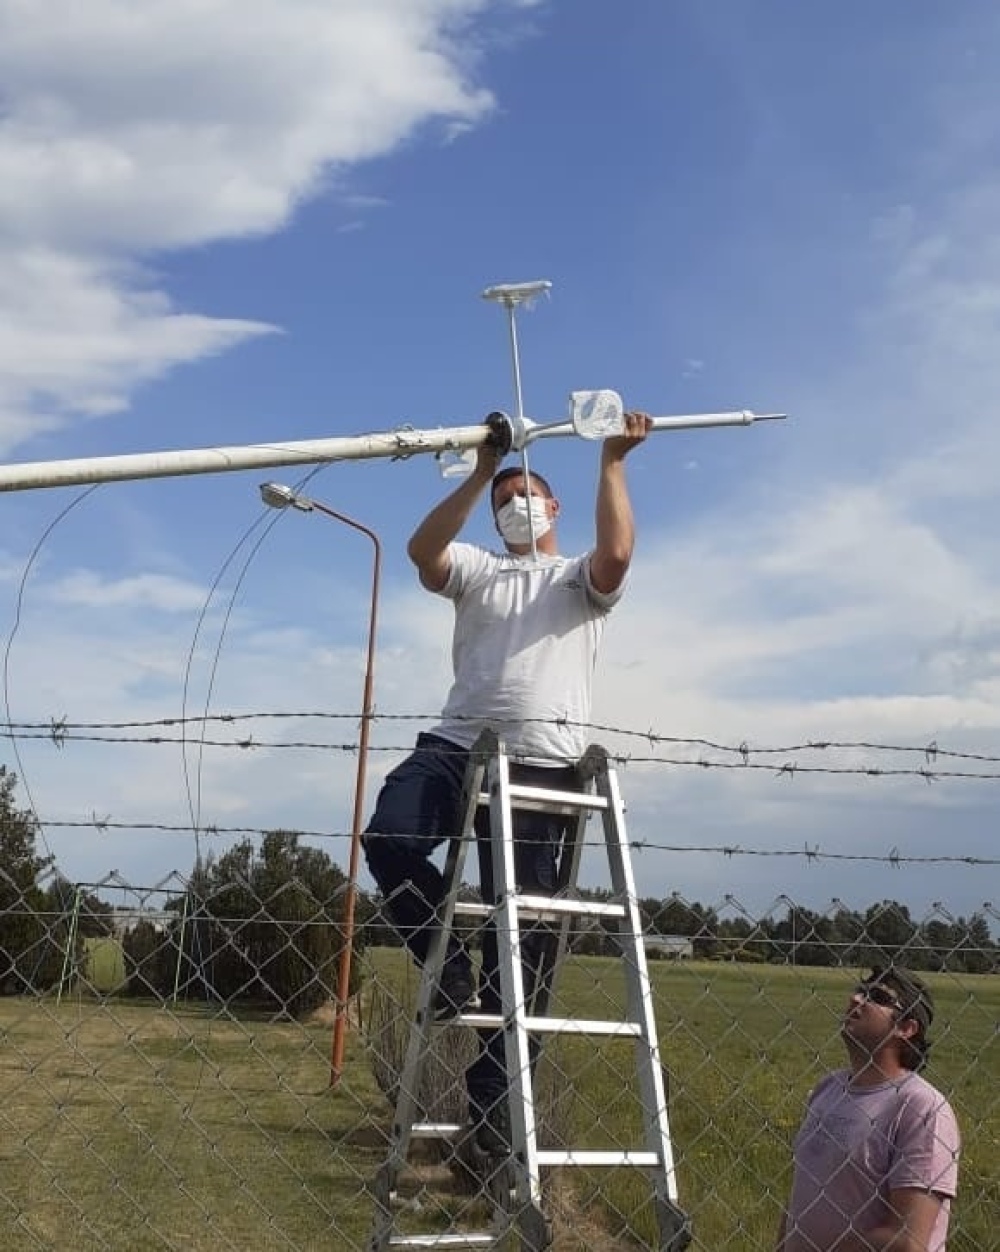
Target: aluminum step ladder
[515,1185]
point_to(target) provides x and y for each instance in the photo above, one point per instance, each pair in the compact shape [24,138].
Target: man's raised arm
[428,545]
[612,553]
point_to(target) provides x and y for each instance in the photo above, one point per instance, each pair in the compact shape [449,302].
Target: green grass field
[134,1126]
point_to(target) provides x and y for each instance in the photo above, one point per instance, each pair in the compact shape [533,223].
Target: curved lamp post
[278,496]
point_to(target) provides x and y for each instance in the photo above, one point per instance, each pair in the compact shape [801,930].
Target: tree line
[882,933]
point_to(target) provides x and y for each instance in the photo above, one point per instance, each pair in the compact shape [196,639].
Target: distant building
[669,947]
[125,919]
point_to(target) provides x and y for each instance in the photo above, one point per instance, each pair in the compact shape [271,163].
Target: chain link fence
[166,1076]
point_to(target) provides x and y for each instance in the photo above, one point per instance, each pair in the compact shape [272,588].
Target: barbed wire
[61,731]
[893,857]
[930,751]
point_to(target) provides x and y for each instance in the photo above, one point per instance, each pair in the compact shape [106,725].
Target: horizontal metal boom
[398,444]
[687,421]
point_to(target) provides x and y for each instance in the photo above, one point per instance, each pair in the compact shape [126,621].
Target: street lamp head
[278,496]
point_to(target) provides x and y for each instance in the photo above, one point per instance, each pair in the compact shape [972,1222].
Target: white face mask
[512,519]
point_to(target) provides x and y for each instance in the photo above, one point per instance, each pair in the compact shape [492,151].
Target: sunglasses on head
[879,995]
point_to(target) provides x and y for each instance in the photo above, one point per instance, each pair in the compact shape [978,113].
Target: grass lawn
[134,1126]
[743,1045]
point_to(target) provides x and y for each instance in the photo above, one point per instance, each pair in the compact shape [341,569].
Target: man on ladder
[528,624]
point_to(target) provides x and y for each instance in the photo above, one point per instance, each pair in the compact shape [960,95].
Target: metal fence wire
[166,1081]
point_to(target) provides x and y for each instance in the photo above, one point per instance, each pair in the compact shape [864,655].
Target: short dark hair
[515,471]
[916,1004]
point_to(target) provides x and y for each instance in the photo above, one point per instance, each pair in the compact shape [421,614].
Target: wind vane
[592,415]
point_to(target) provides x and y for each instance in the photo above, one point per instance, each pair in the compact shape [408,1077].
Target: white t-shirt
[856,1144]
[527,632]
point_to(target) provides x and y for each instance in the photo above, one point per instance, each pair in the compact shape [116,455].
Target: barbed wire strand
[893,857]
[60,734]
[930,751]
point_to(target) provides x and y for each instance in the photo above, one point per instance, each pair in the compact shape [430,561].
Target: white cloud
[126,130]
[78,334]
[164,124]
[824,622]
[84,588]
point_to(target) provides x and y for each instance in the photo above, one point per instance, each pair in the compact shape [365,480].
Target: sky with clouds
[230,223]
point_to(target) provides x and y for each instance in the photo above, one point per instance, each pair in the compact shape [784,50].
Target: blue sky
[272,221]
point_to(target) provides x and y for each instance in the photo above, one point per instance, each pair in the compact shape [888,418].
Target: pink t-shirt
[856,1145]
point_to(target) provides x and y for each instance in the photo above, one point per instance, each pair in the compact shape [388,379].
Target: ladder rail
[527,1176]
[673,1221]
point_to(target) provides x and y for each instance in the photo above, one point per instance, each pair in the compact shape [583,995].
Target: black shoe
[493,1131]
[456,993]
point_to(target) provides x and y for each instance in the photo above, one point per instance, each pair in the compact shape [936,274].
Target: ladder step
[436,1130]
[546,908]
[568,1156]
[578,1026]
[541,800]
[469,1240]
[479,1021]
[645,1160]
[551,1025]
